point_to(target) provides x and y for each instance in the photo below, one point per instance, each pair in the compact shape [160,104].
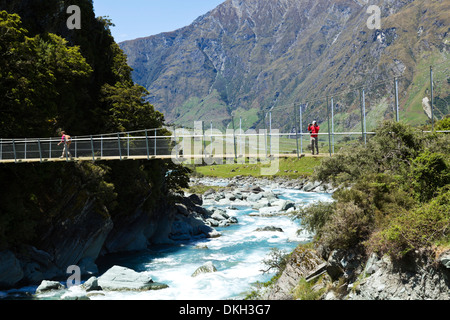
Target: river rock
[196,199]
[310,186]
[182,209]
[254,197]
[217,215]
[212,222]
[91,285]
[47,285]
[75,293]
[261,204]
[270,228]
[208,267]
[444,259]
[287,205]
[120,278]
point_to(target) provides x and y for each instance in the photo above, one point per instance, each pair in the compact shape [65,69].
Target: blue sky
[143,18]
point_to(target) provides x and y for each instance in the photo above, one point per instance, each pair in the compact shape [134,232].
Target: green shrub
[429,172]
[314,216]
[390,150]
[347,228]
[443,124]
[411,230]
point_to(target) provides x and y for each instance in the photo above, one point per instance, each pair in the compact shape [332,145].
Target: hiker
[314,130]
[67,140]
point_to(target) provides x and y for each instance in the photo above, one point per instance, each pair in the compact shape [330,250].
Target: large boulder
[47,285]
[208,267]
[310,186]
[120,278]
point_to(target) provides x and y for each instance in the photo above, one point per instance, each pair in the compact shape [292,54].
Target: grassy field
[288,167]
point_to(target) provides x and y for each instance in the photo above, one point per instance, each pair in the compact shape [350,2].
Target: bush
[443,124]
[411,230]
[397,197]
[315,216]
[390,150]
[347,228]
[429,172]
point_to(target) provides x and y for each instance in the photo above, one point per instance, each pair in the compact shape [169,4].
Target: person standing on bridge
[314,131]
[67,140]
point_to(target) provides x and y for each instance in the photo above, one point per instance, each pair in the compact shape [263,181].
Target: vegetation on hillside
[395,195]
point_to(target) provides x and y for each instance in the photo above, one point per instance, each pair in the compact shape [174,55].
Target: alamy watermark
[196,146]
[75,278]
[74,21]
[374,21]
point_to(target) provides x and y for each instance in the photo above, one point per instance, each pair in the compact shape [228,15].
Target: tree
[39,77]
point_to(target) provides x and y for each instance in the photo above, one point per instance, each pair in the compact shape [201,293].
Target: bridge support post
[397,116]
[234,138]
[332,125]
[146,144]
[40,150]
[296,131]
[120,151]
[432,98]
[155,143]
[329,128]
[301,129]
[14,150]
[92,148]
[363,116]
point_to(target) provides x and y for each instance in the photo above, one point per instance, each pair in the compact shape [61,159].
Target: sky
[142,18]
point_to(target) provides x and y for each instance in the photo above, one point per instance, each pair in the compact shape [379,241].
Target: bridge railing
[145,144]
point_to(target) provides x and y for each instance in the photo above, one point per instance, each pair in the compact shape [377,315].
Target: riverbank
[291,168]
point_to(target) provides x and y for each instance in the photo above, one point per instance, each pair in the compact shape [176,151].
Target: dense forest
[52,79]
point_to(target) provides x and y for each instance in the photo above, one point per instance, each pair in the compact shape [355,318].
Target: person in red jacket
[314,131]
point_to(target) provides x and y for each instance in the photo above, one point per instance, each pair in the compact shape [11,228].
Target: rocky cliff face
[81,230]
[346,275]
[248,55]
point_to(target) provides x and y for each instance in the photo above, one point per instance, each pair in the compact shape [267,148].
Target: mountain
[248,56]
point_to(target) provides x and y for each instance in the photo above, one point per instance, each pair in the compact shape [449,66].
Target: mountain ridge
[247,56]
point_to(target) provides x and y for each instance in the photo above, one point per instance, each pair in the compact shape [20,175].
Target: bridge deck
[181,159]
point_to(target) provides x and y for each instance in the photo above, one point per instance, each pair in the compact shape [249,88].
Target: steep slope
[246,56]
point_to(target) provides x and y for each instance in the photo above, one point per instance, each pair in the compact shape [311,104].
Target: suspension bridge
[181,145]
[161,143]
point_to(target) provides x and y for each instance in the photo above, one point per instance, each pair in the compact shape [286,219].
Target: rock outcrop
[302,263]
[81,238]
[350,276]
